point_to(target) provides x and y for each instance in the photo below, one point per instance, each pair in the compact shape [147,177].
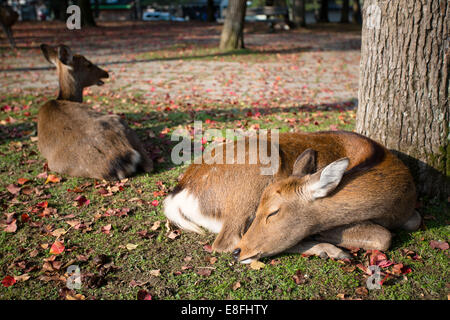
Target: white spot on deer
[183,209]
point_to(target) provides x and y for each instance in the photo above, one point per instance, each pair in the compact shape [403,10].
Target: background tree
[345,11]
[404,86]
[58,8]
[87,16]
[323,13]
[232,36]
[356,12]
[298,13]
[210,10]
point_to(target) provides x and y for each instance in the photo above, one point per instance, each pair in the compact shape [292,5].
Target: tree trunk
[59,7]
[87,16]
[345,10]
[210,11]
[233,29]
[298,13]
[323,14]
[356,14]
[404,86]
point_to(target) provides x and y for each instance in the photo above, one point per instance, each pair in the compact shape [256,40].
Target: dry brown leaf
[256,265]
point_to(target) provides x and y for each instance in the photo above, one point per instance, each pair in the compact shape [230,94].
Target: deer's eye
[272,214]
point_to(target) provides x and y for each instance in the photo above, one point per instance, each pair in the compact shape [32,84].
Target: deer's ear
[65,55]
[305,163]
[322,183]
[49,53]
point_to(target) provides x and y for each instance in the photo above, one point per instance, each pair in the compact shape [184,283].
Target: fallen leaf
[22,278]
[52,179]
[11,227]
[204,272]
[156,225]
[82,201]
[256,265]
[22,180]
[174,234]
[13,189]
[299,277]
[59,232]
[236,286]
[362,291]
[439,245]
[155,273]
[131,246]
[106,229]
[143,295]
[208,248]
[57,247]
[8,281]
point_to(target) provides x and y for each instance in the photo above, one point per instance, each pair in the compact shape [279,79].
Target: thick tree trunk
[8,17]
[404,86]
[345,10]
[87,16]
[323,13]
[298,13]
[59,7]
[233,29]
[356,14]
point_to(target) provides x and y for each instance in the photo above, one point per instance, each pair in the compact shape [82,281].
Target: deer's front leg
[320,249]
[365,235]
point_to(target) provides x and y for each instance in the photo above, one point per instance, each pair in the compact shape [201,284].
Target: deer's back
[375,177]
[81,142]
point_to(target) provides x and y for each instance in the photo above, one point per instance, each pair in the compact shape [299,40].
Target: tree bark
[298,13]
[404,86]
[356,14]
[323,13]
[87,15]
[232,36]
[59,7]
[345,10]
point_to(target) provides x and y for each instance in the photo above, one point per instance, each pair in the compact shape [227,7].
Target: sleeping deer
[78,141]
[330,190]
[8,17]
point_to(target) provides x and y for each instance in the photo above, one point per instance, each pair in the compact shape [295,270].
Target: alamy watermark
[74,279]
[74,20]
[231,148]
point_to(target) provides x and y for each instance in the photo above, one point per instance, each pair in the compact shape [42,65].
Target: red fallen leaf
[13,189]
[143,295]
[207,248]
[43,204]
[82,200]
[106,229]
[401,269]
[42,175]
[439,245]
[22,180]
[57,247]
[8,281]
[155,203]
[11,227]
[52,178]
[25,217]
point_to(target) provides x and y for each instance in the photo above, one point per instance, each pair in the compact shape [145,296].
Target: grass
[110,270]
[326,279]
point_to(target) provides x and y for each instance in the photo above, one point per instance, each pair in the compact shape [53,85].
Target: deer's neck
[68,88]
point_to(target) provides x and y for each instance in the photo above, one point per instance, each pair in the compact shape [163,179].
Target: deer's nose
[236,252]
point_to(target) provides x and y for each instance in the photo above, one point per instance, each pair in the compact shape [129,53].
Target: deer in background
[330,190]
[78,141]
[8,17]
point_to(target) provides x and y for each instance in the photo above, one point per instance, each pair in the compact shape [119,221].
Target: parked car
[160,16]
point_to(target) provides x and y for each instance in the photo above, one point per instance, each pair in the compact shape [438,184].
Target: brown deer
[330,189]
[8,17]
[78,141]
